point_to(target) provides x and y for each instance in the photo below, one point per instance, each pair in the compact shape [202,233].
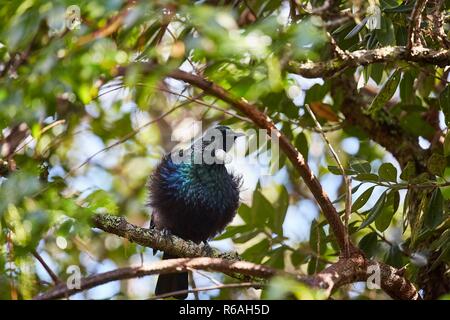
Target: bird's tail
[172,282]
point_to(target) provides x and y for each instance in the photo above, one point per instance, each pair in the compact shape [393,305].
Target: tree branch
[162,267]
[323,9]
[437,17]
[332,67]
[345,271]
[156,239]
[50,272]
[414,25]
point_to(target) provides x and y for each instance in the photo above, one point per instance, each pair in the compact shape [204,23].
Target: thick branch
[365,57]
[395,284]
[156,239]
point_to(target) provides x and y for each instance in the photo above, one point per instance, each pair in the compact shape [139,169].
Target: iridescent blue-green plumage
[193,201]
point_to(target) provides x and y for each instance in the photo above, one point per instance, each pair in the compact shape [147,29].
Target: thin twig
[50,272]
[218,283]
[347,179]
[193,285]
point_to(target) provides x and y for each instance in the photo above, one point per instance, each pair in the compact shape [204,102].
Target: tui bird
[193,196]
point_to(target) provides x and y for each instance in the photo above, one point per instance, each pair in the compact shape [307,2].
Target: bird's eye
[213,138]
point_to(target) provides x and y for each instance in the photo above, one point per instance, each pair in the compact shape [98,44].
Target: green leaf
[65,228]
[367,177]
[388,172]
[374,212]
[368,244]
[409,171]
[407,88]
[298,257]
[442,242]
[246,236]
[361,166]
[377,72]
[262,210]
[434,214]
[444,101]
[337,171]
[414,123]
[257,252]
[436,164]
[317,237]
[386,93]
[383,221]
[301,143]
[342,27]
[280,288]
[447,145]
[101,201]
[444,256]
[18,186]
[281,207]
[231,231]
[357,28]
[276,259]
[362,199]
[245,212]
[317,92]
[386,34]
[342,196]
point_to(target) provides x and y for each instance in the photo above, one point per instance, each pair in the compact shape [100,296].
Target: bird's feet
[208,251]
[166,232]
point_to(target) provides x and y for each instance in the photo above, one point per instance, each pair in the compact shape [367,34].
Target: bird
[194,196]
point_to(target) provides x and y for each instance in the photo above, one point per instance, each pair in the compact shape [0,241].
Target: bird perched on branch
[193,196]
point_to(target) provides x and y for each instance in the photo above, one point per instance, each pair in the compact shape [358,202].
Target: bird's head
[213,146]
[220,137]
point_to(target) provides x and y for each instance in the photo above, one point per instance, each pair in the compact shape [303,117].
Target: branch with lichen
[331,68]
[156,239]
